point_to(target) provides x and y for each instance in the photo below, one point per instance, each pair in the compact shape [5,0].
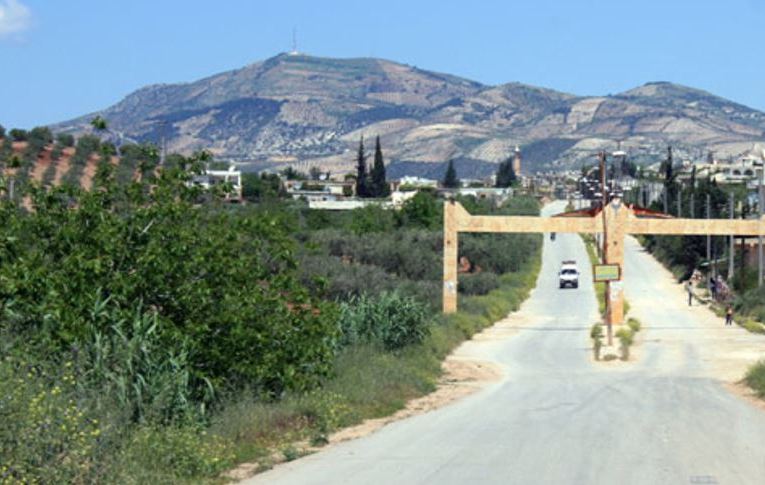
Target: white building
[232,176]
[415,182]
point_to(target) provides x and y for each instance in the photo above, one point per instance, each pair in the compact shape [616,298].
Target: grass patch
[755,378]
[752,325]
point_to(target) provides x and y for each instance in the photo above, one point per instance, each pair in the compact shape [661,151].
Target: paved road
[559,419]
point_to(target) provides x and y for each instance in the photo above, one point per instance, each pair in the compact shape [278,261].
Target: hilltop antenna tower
[294,50]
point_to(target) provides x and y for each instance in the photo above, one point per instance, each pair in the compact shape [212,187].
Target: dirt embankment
[86,179]
[63,165]
[44,161]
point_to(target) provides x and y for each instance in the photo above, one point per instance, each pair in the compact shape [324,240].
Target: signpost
[606,272]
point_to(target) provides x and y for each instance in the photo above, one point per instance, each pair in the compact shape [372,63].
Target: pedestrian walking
[729,315]
[712,288]
[689,289]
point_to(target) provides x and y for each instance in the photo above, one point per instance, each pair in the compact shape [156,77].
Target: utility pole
[693,204]
[604,201]
[679,203]
[760,256]
[709,238]
[731,251]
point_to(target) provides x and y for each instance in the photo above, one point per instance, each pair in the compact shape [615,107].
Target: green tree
[65,139]
[379,184]
[505,174]
[291,174]
[362,179]
[99,124]
[450,179]
[220,285]
[18,134]
[422,210]
[38,138]
[257,187]
[371,218]
[2,131]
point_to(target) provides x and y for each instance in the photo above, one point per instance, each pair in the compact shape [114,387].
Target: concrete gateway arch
[614,222]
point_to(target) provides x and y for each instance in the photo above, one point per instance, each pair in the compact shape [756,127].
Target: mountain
[301,110]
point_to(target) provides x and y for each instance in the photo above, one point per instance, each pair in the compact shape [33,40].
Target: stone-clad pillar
[616,221]
[450,257]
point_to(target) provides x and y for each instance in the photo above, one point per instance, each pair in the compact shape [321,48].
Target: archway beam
[621,220]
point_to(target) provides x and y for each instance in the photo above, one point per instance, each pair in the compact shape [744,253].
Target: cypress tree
[379,186]
[505,174]
[450,179]
[362,184]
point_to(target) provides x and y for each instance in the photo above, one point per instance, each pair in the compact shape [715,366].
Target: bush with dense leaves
[331,278]
[478,283]
[412,254]
[221,286]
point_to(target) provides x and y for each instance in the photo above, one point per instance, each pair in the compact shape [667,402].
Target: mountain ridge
[304,110]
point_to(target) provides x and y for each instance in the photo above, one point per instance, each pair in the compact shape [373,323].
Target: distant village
[641,185]
[327,191]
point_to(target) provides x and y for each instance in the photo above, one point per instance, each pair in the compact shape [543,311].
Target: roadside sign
[606,272]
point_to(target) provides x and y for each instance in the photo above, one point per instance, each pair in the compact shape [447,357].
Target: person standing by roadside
[689,289]
[729,315]
[712,288]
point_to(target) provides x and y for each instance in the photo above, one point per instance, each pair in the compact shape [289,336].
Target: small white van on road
[569,274]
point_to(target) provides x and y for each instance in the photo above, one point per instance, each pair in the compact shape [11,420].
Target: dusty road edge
[461,377]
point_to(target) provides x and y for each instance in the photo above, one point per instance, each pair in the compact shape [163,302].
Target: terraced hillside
[54,165]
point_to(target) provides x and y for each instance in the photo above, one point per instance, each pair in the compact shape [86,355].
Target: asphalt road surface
[558,418]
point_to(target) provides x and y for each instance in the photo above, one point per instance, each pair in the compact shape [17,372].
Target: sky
[62,59]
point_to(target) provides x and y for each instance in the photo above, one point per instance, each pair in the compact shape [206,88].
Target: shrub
[478,283]
[411,254]
[46,435]
[329,277]
[755,378]
[421,211]
[223,287]
[65,139]
[17,134]
[372,219]
[392,320]
[170,453]
[626,338]
[634,325]
[499,253]
[596,334]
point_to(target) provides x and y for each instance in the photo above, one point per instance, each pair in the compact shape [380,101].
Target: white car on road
[569,274]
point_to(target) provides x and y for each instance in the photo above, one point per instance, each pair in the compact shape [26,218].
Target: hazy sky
[60,59]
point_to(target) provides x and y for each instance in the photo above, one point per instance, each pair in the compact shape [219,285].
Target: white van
[569,274]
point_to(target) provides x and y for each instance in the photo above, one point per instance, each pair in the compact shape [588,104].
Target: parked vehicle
[569,274]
